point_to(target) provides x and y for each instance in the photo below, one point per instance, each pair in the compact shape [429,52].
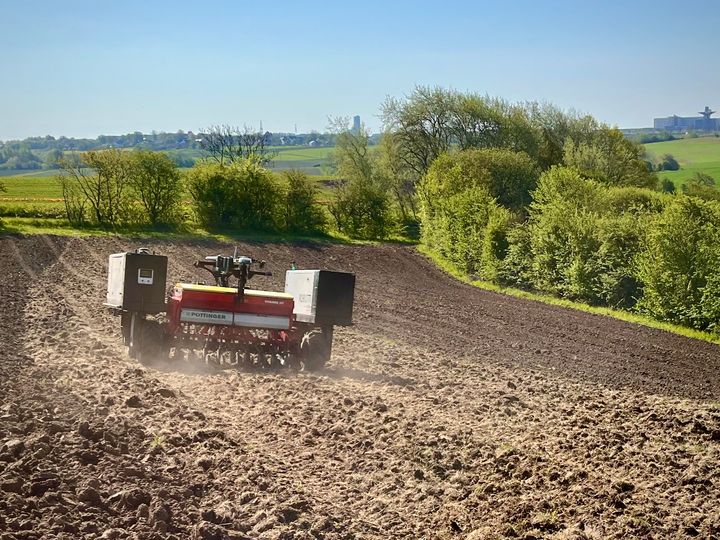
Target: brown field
[446,412]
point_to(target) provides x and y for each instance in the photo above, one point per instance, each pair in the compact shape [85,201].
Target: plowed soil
[445,412]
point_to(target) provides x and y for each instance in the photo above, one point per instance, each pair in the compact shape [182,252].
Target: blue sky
[84,68]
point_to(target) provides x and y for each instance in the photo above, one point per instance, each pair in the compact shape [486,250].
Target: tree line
[116,189]
[523,194]
[530,196]
[34,153]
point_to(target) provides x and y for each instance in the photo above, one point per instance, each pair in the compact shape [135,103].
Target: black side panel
[145,298]
[336,292]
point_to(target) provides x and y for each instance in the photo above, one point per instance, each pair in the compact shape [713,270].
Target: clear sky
[85,68]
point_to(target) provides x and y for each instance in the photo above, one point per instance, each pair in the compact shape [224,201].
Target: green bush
[669,163]
[469,201]
[608,157]
[680,265]
[563,219]
[258,197]
[702,185]
[470,230]
[516,269]
[508,176]
[667,186]
[361,209]
[156,182]
[213,190]
[616,283]
[495,241]
[301,213]
[29,210]
[3,189]
[567,187]
[462,221]
[635,200]
[241,196]
[584,237]
[564,241]
[656,137]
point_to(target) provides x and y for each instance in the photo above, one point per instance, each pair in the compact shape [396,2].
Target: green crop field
[36,196]
[34,172]
[302,153]
[701,154]
[21,187]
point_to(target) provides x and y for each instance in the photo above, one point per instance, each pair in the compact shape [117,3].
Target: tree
[227,145]
[423,125]
[361,205]
[156,181]
[243,196]
[101,180]
[432,121]
[508,176]
[701,185]
[669,163]
[554,127]
[18,156]
[301,213]
[680,265]
[52,159]
[74,199]
[667,186]
[212,188]
[399,177]
[609,158]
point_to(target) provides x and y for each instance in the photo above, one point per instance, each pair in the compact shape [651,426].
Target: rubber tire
[150,342]
[125,327]
[316,348]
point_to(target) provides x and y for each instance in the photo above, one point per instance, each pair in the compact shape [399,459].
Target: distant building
[356,124]
[689,123]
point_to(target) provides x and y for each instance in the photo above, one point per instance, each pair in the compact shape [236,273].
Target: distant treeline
[46,152]
[656,137]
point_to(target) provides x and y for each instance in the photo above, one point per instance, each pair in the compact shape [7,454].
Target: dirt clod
[91,497]
[133,401]
[209,531]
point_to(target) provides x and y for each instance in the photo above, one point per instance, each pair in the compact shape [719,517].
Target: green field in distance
[701,154]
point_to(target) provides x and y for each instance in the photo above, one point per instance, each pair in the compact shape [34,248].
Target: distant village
[172,141]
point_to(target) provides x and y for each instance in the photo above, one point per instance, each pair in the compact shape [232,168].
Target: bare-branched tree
[227,144]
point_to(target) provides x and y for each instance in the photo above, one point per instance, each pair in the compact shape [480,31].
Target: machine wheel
[316,348]
[146,342]
[125,322]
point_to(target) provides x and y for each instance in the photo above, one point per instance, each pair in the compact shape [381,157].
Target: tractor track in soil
[446,412]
